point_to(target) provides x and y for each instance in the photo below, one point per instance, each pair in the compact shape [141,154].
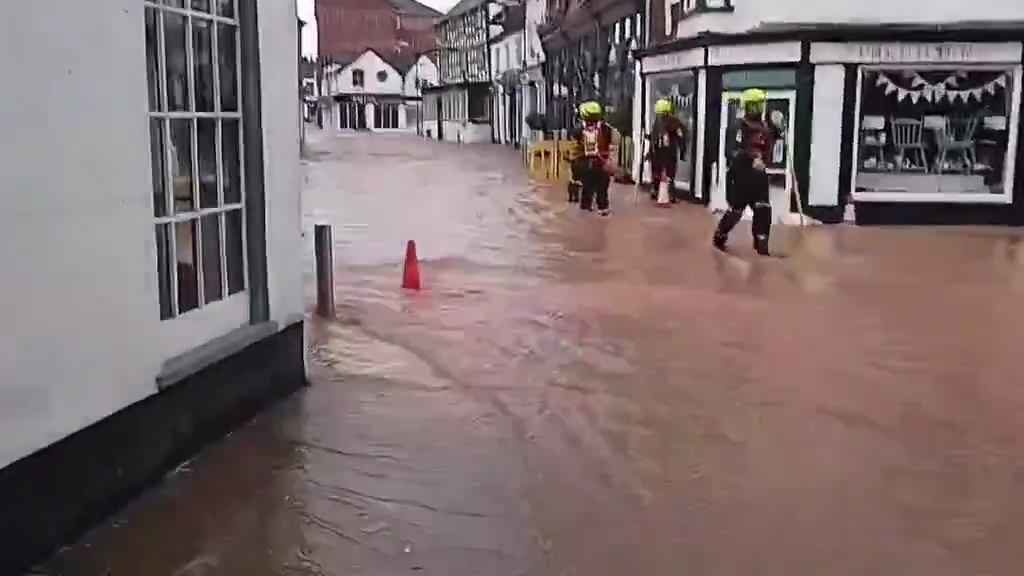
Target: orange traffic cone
[411,274]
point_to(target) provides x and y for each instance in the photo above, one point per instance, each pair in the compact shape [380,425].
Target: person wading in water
[593,157]
[668,145]
[747,179]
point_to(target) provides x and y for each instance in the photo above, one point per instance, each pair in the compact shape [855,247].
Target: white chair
[957,136]
[908,138]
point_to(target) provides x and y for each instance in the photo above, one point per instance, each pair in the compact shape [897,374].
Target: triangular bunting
[915,96]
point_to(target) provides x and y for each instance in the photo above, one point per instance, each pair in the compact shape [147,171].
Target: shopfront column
[826,135]
[802,125]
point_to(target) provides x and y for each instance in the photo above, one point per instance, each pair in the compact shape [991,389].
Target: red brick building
[347,28]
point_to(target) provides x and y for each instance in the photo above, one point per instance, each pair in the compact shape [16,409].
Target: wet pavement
[572,395]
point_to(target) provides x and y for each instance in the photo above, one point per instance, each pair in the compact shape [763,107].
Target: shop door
[780,163]
[360,115]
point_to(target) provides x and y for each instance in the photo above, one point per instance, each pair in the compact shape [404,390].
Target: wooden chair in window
[908,141]
[958,137]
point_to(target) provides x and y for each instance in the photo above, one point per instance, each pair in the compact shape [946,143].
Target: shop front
[932,122]
[705,84]
[888,125]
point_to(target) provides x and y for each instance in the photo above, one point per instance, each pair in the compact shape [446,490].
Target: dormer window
[676,10]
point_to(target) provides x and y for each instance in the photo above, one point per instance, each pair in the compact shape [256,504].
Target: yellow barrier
[550,160]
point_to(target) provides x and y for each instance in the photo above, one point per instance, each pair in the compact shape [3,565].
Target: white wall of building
[424,70]
[826,134]
[536,12]
[371,64]
[83,336]
[749,14]
[466,132]
[339,80]
[282,174]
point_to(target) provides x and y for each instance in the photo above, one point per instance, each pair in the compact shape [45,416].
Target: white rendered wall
[370,64]
[83,337]
[749,14]
[424,70]
[826,134]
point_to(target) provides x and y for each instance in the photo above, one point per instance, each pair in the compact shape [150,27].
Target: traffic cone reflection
[411,274]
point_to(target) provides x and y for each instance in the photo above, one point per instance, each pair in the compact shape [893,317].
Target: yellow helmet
[591,110]
[753,96]
[753,100]
[663,106]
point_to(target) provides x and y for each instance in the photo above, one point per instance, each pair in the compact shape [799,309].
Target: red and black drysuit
[751,140]
[592,164]
[668,145]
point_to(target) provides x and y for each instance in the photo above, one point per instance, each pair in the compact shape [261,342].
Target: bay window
[195,130]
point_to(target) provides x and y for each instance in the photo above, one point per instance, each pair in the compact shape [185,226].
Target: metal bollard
[323,237]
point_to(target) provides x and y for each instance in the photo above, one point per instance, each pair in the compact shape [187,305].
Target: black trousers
[595,182]
[747,186]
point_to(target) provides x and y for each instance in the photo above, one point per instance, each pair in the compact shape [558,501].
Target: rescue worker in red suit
[593,158]
[747,178]
[668,146]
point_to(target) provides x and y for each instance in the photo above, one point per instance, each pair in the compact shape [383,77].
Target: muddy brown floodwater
[573,395]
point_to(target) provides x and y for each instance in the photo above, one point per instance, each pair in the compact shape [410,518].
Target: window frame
[197,214]
[1016,72]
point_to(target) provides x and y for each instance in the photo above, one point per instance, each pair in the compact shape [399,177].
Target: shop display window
[934,131]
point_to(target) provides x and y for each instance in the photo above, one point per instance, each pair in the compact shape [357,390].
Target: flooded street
[573,395]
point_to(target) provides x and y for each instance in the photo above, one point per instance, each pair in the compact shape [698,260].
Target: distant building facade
[508,64]
[374,57]
[375,93]
[347,28]
[460,106]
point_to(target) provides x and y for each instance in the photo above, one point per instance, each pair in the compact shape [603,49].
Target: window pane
[202,55]
[157,155]
[227,60]
[181,165]
[152,60]
[188,285]
[163,269]
[232,162]
[207,139]
[212,286]
[203,5]
[177,61]
[233,245]
[175,3]
[935,131]
[226,8]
